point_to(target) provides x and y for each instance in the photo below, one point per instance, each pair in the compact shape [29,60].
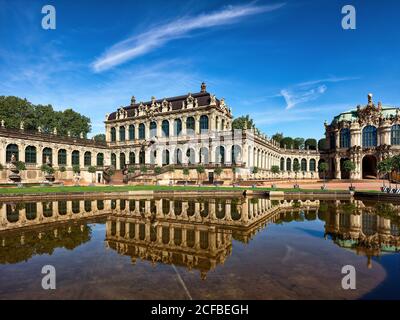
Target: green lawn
[76,189]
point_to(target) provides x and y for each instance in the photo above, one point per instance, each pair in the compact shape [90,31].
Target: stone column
[183,133]
[337,167]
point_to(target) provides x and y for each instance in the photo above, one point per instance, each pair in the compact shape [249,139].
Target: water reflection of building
[29,214]
[363,228]
[194,234]
[197,234]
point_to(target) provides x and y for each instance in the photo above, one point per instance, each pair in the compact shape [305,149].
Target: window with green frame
[87,159]
[62,157]
[30,154]
[75,158]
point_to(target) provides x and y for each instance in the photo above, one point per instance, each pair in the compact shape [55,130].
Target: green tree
[322,144]
[278,137]
[157,170]
[76,169]
[20,166]
[288,142]
[131,169]
[47,169]
[296,169]
[92,170]
[143,169]
[298,143]
[14,110]
[323,168]
[275,170]
[185,172]
[218,171]
[311,144]
[349,166]
[241,122]
[386,167]
[99,137]
[200,170]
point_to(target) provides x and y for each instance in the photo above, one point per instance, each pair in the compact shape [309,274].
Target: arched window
[236,154]
[203,123]
[132,158]
[178,156]
[220,154]
[165,128]
[75,158]
[62,157]
[30,154]
[288,164]
[122,160]
[100,160]
[204,155]
[190,155]
[131,132]
[345,138]
[113,135]
[165,157]
[87,159]
[153,129]
[312,165]
[142,157]
[332,141]
[395,135]
[177,127]
[190,125]
[222,124]
[303,165]
[369,136]
[121,133]
[295,162]
[10,150]
[47,152]
[142,134]
[282,167]
[114,160]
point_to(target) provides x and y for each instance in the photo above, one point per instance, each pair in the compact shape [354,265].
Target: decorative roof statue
[203,87]
[21,125]
[81,135]
[39,129]
[133,100]
[2,123]
[213,100]
[370,103]
[55,131]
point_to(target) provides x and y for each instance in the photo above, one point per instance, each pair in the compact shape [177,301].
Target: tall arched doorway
[369,164]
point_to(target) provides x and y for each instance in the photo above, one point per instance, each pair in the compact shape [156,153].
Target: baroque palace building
[182,132]
[366,136]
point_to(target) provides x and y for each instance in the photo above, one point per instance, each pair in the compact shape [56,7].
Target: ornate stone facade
[182,131]
[365,136]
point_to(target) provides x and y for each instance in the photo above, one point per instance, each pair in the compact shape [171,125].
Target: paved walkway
[335,185]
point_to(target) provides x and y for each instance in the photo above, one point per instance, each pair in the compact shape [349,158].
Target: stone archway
[369,164]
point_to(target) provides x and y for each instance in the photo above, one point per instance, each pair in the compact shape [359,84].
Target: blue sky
[289,64]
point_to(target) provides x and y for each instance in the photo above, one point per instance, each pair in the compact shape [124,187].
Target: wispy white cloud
[156,37]
[278,115]
[308,91]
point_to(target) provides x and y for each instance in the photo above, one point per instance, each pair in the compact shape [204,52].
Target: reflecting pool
[180,248]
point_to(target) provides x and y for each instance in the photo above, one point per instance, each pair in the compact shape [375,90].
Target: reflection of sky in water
[282,261]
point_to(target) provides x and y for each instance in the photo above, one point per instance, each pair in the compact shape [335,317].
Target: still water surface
[223,248]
